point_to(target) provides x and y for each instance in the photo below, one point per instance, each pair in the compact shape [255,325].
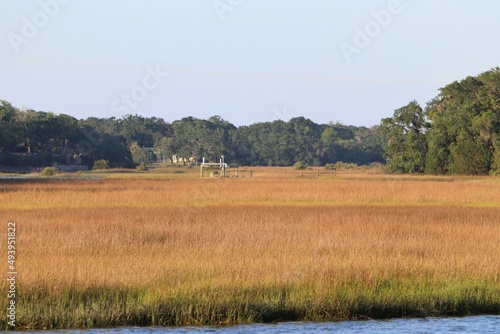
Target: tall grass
[182,252]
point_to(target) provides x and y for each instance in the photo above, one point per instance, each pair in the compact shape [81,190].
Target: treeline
[34,138]
[458,132]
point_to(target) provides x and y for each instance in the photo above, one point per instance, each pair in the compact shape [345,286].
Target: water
[479,324]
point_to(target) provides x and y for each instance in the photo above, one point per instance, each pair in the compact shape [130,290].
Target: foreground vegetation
[144,250]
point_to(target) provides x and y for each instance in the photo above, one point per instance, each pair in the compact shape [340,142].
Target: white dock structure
[214,165]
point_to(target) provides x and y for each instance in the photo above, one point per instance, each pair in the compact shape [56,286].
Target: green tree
[144,131]
[304,141]
[141,155]
[469,155]
[328,145]
[271,143]
[9,129]
[358,145]
[164,148]
[113,149]
[495,165]
[465,120]
[406,145]
[198,138]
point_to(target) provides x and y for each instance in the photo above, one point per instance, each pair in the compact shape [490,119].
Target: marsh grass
[141,251]
[105,306]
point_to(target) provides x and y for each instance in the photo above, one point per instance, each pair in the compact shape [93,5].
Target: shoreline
[132,307]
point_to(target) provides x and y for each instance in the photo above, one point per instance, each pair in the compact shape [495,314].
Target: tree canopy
[42,138]
[457,132]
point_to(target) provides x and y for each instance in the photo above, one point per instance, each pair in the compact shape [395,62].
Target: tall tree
[196,138]
[328,147]
[405,147]
[304,141]
[9,129]
[465,126]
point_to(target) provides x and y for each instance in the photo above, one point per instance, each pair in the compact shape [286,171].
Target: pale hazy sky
[246,60]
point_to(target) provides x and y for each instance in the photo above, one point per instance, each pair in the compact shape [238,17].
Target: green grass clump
[127,306]
[49,171]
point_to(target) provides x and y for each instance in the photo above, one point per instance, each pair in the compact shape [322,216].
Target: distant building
[180,160]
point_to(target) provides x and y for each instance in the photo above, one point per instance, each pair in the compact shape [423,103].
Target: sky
[248,61]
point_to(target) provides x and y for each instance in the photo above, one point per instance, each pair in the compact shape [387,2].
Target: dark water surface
[477,324]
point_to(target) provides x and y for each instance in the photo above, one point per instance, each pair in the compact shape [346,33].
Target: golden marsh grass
[159,251]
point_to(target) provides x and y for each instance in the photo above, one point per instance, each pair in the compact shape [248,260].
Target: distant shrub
[341,165]
[330,167]
[101,164]
[142,167]
[49,171]
[375,165]
[300,165]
